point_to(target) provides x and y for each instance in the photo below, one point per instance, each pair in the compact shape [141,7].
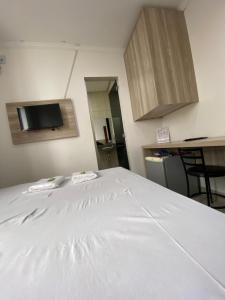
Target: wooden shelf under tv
[68,130]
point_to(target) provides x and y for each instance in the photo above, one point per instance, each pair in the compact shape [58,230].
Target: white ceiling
[95,23]
[98,85]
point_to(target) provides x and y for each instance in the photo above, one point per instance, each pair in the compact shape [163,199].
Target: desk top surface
[209,142]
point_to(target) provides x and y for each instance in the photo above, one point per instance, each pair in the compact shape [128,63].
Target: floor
[218,201]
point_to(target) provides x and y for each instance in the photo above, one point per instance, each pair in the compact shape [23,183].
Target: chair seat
[211,171]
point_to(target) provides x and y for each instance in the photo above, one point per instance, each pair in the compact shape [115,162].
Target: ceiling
[98,86]
[95,23]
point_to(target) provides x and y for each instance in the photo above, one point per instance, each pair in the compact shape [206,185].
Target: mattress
[118,237]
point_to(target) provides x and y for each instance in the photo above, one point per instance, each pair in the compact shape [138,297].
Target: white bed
[118,237]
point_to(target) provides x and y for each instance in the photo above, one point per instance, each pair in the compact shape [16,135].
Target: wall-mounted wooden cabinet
[159,64]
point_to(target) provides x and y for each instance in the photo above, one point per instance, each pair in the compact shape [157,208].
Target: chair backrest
[192,157]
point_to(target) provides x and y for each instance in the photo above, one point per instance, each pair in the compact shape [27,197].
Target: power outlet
[2,59]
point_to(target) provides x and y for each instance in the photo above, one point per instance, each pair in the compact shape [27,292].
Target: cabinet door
[181,62]
[140,71]
[171,56]
[159,64]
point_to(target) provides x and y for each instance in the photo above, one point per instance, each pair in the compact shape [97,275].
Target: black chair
[194,165]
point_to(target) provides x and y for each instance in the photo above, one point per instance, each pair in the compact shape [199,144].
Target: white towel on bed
[79,177]
[47,184]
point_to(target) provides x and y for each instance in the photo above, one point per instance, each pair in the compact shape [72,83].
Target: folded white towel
[79,177]
[47,184]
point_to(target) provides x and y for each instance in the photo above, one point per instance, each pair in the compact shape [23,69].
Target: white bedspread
[119,237]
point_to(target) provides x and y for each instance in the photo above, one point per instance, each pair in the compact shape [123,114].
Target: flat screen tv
[38,117]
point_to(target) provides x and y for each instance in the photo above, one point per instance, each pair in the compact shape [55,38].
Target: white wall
[206,26]
[42,73]
[99,106]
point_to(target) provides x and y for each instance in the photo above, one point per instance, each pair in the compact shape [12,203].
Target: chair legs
[199,186]
[192,158]
[209,194]
[208,191]
[188,186]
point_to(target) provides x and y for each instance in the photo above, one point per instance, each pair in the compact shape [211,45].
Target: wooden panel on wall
[107,159]
[215,156]
[68,130]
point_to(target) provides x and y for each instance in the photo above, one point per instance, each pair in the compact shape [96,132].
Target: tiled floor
[218,201]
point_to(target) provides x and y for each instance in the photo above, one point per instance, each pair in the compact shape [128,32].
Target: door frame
[102,78]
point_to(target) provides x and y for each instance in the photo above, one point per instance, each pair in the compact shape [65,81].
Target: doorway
[107,123]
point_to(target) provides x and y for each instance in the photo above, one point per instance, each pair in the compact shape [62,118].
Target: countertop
[209,142]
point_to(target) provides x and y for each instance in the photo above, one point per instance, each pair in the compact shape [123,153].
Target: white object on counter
[163,135]
[155,159]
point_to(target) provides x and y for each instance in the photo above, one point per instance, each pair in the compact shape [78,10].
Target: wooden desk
[210,142]
[214,148]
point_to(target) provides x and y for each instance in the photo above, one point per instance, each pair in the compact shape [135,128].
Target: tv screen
[38,117]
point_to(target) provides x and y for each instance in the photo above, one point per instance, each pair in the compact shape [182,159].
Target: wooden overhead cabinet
[159,64]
